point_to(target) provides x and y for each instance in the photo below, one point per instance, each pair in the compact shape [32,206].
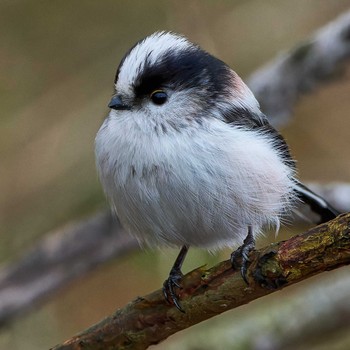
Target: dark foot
[169,287]
[240,257]
[173,280]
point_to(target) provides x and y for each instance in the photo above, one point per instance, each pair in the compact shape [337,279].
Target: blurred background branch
[61,256]
[279,84]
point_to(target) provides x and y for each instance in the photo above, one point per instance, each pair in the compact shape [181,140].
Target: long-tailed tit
[187,158]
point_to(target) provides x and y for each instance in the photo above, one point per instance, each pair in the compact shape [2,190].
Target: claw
[169,288]
[172,282]
[242,253]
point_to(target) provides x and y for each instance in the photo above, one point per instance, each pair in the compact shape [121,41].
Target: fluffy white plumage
[178,173]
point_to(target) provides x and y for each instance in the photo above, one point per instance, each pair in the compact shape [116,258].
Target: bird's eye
[159,97]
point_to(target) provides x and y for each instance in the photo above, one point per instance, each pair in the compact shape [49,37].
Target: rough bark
[312,316]
[150,319]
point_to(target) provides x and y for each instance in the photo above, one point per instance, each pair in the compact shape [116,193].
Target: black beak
[117,104]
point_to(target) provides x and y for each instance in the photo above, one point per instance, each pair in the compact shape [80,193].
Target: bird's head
[166,77]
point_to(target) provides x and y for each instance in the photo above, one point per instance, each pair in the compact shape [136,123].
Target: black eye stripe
[159,97]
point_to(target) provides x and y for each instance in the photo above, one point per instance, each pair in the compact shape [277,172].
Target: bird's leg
[242,253]
[175,276]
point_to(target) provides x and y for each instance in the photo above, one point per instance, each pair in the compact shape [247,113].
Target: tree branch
[206,293]
[314,316]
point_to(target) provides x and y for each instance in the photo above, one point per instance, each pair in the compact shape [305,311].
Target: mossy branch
[150,319]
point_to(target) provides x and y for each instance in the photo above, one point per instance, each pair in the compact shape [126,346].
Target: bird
[187,158]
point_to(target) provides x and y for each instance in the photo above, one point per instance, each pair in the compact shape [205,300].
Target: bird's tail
[316,203]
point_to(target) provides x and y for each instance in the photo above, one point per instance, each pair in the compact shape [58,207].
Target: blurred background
[57,61]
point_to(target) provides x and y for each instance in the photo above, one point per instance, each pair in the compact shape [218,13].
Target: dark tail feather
[316,203]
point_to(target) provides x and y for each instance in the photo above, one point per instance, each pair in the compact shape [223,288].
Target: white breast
[197,186]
